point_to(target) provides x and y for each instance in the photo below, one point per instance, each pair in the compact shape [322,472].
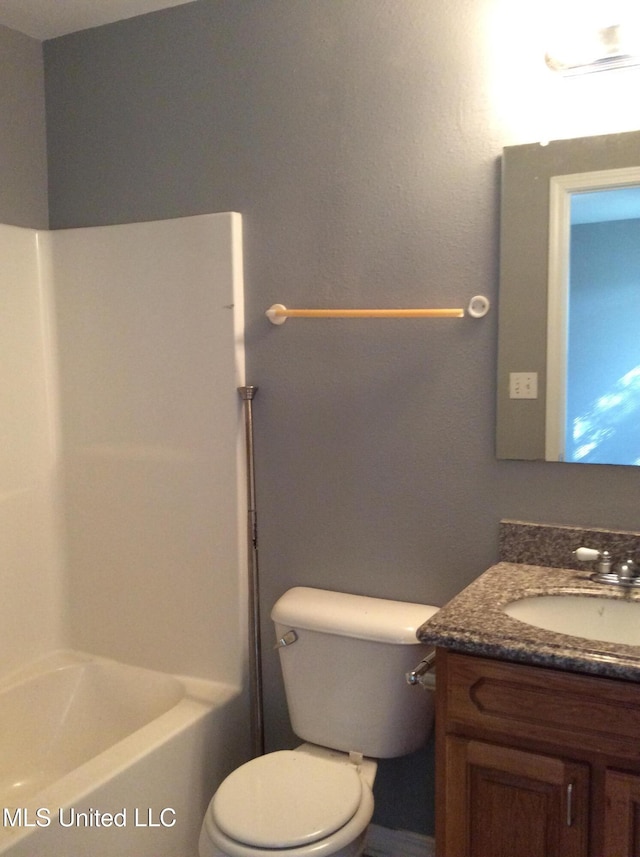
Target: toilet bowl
[328,803]
[344,661]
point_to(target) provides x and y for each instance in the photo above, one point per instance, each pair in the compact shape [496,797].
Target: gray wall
[360,141]
[23,153]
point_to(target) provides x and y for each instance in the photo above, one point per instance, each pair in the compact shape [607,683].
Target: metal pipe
[255,657]
[426,664]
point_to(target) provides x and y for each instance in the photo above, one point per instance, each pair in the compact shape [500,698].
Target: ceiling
[47,19]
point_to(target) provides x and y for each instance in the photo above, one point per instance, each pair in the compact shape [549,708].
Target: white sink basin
[610,620]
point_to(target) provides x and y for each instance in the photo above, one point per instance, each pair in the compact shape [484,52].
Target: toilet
[344,661]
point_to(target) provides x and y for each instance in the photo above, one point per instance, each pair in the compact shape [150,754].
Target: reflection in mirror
[569,309]
[593,350]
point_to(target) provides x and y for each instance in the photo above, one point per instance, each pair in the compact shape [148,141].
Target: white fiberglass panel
[150,321]
[30,605]
[56,720]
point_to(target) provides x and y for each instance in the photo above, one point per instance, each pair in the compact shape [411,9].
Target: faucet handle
[627,570]
[587,554]
[626,573]
[604,574]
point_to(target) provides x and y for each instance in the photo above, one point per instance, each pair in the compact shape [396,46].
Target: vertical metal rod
[255,657]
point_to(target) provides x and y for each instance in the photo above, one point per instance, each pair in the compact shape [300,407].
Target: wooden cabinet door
[622,815]
[502,802]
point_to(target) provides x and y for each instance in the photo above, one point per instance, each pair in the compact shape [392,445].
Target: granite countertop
[473,622]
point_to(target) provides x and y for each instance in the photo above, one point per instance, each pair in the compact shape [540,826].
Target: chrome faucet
[624,573]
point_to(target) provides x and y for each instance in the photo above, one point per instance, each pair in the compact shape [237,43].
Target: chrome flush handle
[286,640]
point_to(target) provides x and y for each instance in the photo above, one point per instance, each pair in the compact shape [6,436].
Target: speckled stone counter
[552,544]
[474,622]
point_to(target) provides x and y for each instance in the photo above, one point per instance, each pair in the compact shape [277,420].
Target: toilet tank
[345,671]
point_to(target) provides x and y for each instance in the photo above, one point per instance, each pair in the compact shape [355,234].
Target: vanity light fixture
[600,49]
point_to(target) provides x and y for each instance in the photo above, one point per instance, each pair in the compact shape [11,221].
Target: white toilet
[344,660]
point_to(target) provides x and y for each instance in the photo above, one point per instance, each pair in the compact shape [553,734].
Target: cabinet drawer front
[540,703]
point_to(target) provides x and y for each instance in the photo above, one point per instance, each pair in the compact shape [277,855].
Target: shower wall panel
[150,331]
[31,604]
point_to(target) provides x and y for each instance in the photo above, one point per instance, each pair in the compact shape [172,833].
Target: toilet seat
[321,797]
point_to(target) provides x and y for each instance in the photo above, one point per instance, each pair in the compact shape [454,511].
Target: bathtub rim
[202,698]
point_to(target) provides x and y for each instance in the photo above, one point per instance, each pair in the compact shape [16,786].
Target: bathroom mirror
[546,339]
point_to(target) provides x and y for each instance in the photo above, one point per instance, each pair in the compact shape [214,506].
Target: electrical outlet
[523,385]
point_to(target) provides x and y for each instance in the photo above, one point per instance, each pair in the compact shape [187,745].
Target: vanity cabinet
[514,803]
[535,762]
[622,813]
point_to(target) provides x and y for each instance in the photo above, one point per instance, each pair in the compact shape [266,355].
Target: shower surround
[122,498]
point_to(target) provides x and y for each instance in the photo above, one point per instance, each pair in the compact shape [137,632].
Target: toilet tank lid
[358,616]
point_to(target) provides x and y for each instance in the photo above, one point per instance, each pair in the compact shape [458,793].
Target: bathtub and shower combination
[138,333]
[101,758]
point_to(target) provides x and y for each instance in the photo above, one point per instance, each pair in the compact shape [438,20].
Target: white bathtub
[98,758]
